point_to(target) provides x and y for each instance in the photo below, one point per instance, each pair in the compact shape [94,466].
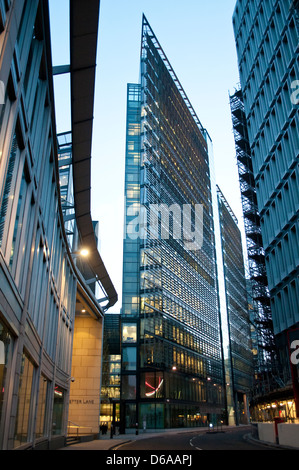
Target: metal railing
[76,427]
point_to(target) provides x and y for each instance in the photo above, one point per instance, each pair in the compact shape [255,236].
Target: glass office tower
[266,34]
[240,343]
[172,369]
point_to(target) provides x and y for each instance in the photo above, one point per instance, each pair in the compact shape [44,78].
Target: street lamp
[83,252]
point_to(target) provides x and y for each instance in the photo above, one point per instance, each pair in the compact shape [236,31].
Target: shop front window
[152,416]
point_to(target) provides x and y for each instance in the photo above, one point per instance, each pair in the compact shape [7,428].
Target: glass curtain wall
[131,261]
[173,370]
[241,357]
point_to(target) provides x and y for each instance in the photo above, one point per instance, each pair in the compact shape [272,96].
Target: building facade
[172,371]
[265,356]
[240,342]
[266,34]
[111,370]
[46,307]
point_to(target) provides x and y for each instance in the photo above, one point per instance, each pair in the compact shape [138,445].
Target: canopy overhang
[84,25]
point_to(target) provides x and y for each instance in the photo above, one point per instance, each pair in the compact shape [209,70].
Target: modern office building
[240,342]
[265,117]
[50,321]
[174,322]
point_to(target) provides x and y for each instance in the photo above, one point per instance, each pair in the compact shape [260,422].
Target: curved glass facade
[41,287]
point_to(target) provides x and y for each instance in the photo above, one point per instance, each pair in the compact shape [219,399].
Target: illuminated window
[152,385]
[129,333]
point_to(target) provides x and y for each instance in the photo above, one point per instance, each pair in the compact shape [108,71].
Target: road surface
[230,439]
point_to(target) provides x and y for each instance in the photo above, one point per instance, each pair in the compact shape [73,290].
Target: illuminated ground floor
[157,415]
[284,409]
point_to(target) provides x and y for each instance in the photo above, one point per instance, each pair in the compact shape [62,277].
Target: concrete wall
[84,408]
[266,432]
[288,434]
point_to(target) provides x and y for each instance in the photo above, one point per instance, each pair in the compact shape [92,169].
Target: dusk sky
[197,37]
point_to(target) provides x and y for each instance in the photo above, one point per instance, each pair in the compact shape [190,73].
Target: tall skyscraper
[240,341]
[174,316]
[265,117]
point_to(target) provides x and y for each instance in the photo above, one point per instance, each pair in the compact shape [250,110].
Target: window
[152,415]
[24,401]
[129,358]
[58,409]
[40,430]
[152,385]
[4,204]
[129,333]
[6,343]
[19,219]
[130,416]
[132,191]
[129,387]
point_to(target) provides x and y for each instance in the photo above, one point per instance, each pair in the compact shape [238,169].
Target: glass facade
[24,400]
[111,371]
[131,281]
[172,367]
[41,429]
[272,118]
[266,36]
[58,411]
[240,346]
[66,186]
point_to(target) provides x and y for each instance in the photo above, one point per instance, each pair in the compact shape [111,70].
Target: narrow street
[230,439]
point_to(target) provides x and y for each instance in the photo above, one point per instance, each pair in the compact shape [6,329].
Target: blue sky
[197,37]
